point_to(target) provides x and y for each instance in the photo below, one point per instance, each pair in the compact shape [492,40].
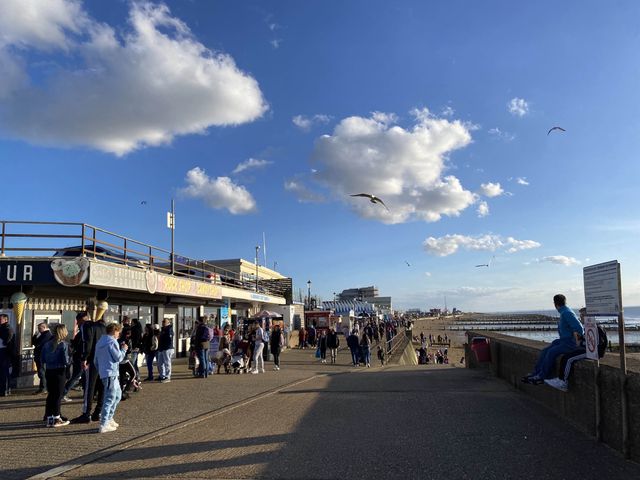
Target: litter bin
[480,346]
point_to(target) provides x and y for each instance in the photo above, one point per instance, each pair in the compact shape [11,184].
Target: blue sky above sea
[265,116]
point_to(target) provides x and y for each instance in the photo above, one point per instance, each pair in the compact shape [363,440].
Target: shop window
[186,322]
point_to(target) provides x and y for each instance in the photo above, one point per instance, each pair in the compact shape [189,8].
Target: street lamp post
[308,294]
[334,296]
[257,250]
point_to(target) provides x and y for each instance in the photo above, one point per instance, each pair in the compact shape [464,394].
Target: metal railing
[36,239]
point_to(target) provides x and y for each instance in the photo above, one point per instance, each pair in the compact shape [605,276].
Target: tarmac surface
[311,421]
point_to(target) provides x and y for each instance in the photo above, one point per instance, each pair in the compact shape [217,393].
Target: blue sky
[264,116]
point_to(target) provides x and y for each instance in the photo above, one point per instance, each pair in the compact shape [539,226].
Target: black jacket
[91,333]
[166,338]
[38,342]
[332,340]
[136,335]
[9,339]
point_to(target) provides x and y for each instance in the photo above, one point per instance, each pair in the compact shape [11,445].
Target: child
[381,355]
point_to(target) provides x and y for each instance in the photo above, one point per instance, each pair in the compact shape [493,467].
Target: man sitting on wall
[571,332]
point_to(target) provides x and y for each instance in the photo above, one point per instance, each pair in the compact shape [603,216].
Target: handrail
[112,247]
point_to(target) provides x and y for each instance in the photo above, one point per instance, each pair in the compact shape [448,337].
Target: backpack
[603,342]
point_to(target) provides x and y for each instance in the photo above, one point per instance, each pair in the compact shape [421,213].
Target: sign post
[591,338]
[603,297]
[171,224]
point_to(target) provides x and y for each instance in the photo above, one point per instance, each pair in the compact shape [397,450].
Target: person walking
[42,336]
[55,359]
[76,357]
[322,346]
[201,344]
[352,343]
[258,360]
[333,342]
[136,345]
[276,341]
[149,347]
[7,344]
[365,345]
[165,351]
[91,334]
[107,361]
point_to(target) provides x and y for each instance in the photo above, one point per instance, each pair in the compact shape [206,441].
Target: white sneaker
[106,428]
[113,423]
[66,399]
[253,372]
[558,384]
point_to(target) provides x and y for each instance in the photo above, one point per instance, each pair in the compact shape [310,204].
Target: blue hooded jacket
[108,356]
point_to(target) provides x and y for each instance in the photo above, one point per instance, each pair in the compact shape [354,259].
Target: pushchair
[223,359]
[239,363]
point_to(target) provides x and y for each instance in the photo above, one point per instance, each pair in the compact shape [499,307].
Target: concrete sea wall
[601,402]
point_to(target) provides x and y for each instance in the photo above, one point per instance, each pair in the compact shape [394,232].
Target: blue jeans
[164,363]
[203,368]
[149,359]
[75,378]
[367,354]
[112,396]
[355,356]
[547,359]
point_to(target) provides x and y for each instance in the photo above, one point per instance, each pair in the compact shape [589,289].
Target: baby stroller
[239,363]
[223,359]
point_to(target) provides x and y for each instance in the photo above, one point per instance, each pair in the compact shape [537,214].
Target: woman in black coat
[276,340]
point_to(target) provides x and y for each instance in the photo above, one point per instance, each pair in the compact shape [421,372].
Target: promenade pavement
[318,421]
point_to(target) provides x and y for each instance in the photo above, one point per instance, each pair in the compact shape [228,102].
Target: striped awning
[344,307]
[42,303]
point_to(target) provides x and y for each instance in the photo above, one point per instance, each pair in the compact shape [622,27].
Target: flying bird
[143,202]
[372,199]
[555,128]
[408,264]
[487,264]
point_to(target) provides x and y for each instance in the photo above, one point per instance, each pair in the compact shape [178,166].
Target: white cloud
[447,111]
[251,163]
[559,260]
[517,245]
[474,291]
[449,244]
[218,193]
[305,123]
[276,42]
[497,133]
[491,190]
[302,192]
[118,90]
[402,166]
[42,24]
[522,181]
[428,274]
[518,106]
[483,209]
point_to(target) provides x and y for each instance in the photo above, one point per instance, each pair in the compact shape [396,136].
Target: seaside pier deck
[312,421]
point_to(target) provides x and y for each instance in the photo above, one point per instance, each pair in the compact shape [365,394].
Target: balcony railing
[56,239]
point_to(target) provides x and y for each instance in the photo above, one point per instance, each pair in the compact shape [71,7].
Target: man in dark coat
[7,344]
[42,336]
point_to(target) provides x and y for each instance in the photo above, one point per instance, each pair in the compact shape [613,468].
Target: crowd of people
[104,360]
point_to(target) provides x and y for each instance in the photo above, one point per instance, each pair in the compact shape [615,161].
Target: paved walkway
[316,421]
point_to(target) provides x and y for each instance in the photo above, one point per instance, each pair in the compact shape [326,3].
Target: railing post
[125,251]
[82,240]
[3,228]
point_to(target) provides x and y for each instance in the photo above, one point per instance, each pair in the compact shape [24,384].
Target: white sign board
[602,289]
[591,337]
[171,221]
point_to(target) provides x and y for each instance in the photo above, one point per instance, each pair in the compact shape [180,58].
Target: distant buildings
[368,295]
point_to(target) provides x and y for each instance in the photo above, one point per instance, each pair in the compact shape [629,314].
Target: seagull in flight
[556,128]
[487,264]
[372,199]
[408,264]
[143,202]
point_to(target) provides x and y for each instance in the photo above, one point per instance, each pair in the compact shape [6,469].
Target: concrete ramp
[404,354]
